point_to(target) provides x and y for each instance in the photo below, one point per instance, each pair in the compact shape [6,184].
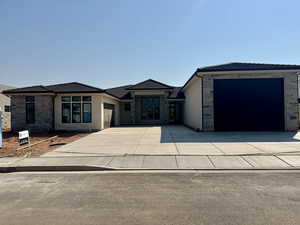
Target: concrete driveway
[179,140]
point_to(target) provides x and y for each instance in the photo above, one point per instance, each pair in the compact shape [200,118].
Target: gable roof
[73,87]
[120,92]
[237,66]
[149,85]
[123,92]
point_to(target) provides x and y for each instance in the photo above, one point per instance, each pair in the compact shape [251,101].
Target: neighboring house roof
[238,66]
[149,85]
[5,87]
[73,87]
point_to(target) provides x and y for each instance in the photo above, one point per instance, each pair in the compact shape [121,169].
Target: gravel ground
[11,144]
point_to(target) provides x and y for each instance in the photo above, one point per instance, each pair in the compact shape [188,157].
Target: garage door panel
[248,104]
[109,114]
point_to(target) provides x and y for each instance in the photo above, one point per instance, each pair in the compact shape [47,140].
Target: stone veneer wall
[290,96]
[43,114]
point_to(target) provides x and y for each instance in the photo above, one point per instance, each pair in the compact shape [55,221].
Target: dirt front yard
[11,145]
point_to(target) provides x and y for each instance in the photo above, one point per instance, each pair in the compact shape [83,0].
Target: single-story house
[5,108]
[228,97]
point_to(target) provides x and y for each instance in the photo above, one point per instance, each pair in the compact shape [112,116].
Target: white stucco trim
[193,105]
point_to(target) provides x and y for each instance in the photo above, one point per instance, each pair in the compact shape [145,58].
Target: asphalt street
[150,198]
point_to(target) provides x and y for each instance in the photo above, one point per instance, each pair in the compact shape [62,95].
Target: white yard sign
[24,137]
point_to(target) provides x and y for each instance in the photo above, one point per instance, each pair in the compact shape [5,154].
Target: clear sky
[107,43]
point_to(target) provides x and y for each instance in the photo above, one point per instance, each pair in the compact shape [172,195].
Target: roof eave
[148,89]
[245,71]
[78,92]
[27,93]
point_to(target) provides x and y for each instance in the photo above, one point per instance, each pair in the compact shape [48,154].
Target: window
[127,107]
[29,98]
[87,112]
[150,108]
[76,98]
[7,108]
[66,98]
[30,109]
[76,112]
[76,109]
[66,112]
[87,98]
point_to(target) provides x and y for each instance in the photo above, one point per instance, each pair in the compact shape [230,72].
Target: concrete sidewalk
[148,162]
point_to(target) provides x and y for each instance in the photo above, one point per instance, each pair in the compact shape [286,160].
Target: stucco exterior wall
[43,114]
[96,115]
[290,95]
[193,104]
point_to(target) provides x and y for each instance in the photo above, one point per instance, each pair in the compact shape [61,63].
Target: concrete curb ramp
[146,162]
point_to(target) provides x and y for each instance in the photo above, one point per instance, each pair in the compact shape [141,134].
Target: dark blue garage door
[249,104]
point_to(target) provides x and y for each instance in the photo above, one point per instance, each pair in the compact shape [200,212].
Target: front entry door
[150,108]
[175,112]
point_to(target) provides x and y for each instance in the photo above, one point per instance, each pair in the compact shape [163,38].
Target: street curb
[12,169]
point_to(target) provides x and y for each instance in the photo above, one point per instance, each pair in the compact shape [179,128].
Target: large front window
[150,108]
[76,109]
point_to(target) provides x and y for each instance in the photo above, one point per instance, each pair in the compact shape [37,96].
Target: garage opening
[249,104]
[109,115]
